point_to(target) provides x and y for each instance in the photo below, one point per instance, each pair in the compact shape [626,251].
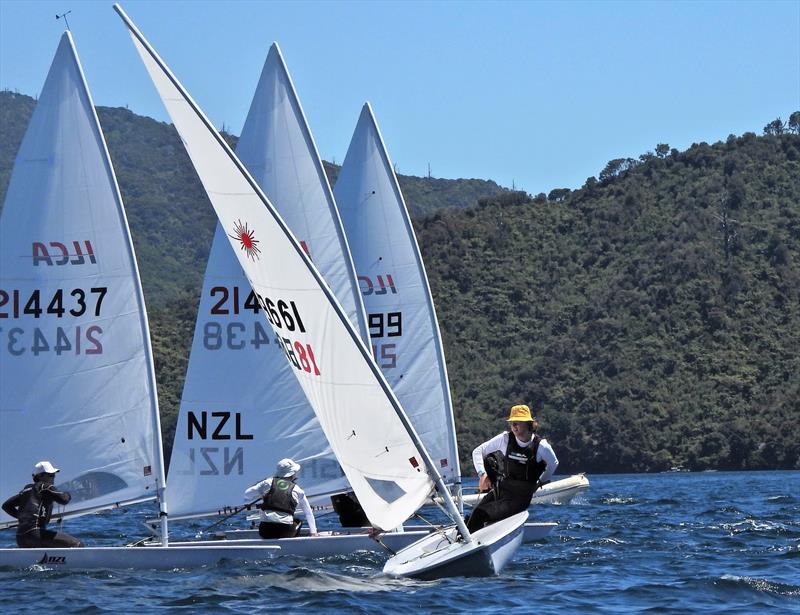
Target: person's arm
[11,506]
[306,508]
[490,446]
[257,490]
[548,455]
[60,497]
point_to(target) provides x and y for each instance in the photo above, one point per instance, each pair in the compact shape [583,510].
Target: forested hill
[170,217]
[651,318]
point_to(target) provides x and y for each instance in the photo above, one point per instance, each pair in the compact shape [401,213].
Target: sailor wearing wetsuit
[526,462]
[33,506]
[280,497]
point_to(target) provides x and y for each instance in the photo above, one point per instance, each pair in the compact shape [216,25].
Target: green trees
[650,319]
[775,127]
[794,122]
[615,167]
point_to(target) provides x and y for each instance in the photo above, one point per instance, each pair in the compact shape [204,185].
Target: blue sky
[541,94]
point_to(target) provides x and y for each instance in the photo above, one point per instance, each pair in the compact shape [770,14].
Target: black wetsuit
[32,507]
[279,499]
[349,510]
[514,485]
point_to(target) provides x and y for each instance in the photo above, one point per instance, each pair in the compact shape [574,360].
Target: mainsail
[242,407]
[76,374]
[402,319]
[370,434]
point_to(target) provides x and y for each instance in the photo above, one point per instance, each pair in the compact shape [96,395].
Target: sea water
[668,543]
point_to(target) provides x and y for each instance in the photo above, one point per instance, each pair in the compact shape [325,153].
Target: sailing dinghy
[404,330]
[375,443]
[239,386]
[561,491]
[77,383]
[242,408]
[240,377]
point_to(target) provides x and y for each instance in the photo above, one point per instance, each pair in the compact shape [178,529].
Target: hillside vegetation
[650,318]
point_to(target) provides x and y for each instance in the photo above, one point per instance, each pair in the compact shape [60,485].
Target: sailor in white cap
[281,496]
[33,506]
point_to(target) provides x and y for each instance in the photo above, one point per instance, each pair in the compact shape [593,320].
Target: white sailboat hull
[325,545]
[531,532]
[561,491]
[438,556]
[346,541]
[178,556]
[558,492]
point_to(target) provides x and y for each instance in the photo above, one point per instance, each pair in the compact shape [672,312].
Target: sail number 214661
[281,314]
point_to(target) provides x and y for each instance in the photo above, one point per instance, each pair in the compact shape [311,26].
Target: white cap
[287,468]
[44,467]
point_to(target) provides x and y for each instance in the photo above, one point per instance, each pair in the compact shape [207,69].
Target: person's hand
[484,484]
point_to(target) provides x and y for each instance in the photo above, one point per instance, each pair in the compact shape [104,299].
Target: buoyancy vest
[520,461]
[279,497]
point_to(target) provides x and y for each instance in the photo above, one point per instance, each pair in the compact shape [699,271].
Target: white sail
[368,431]
[242,407]
[402,319]
[278,150]
[76,375]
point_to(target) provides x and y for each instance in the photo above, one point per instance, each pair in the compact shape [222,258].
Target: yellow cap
[520,413]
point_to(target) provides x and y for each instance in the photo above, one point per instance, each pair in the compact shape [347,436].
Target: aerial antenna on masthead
[64,15]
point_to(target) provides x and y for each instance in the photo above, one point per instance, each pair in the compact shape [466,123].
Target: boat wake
[759,585]
[618,500]
[303,579]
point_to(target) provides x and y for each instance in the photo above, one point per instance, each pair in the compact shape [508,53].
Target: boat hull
[561,491]
[533,532]
[344,541]
[558,492]
[438,556]
[178,556]
[325,545]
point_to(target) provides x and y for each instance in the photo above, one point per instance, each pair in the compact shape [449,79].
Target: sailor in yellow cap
[520,462]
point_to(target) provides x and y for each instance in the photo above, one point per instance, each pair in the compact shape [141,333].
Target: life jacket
[279,497]
[520,461]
